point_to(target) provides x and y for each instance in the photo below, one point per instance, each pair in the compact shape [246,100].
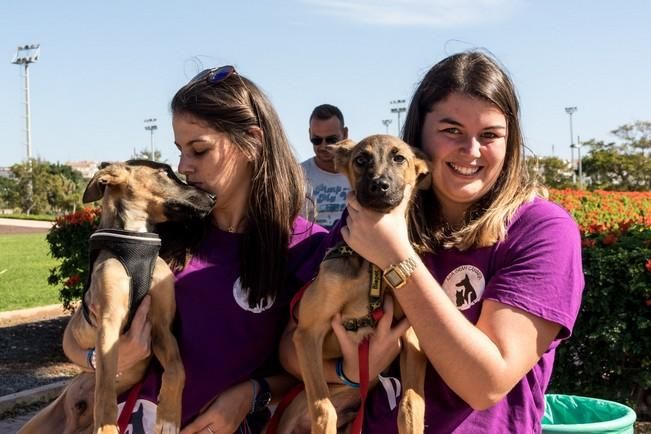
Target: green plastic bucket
[579,414]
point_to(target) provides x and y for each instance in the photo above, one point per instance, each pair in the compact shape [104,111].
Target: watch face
[262,400]
[393,278]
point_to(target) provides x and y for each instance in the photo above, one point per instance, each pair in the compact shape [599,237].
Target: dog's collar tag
[375,292]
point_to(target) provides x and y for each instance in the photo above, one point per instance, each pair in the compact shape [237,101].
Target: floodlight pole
[570,111]
[26,54]
[386,123]
[399,107]
[151,127]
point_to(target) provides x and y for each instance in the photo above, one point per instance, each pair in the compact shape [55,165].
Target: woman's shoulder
[539,221]
[304,230]
[541,210]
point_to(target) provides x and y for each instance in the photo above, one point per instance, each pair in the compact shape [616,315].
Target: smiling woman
[494,283]
[465,137]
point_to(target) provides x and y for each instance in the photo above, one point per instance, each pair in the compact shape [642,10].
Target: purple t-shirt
[222,340]
[538,269]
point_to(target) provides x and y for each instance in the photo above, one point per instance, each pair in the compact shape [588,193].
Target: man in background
[326,188]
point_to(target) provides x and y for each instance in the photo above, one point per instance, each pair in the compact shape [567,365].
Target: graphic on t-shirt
[143,418]
[330,202]
[392,388]
[467,293]
[241,296]
[465,286]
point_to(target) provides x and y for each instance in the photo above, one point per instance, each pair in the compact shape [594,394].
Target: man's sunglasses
[330,140]
[217,75]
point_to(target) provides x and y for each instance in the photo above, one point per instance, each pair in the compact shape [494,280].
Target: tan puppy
[135,197]
[379,168]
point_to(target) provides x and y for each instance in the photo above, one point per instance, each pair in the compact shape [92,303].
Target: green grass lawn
[25,263]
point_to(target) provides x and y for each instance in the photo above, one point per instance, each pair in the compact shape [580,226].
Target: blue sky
[107,66]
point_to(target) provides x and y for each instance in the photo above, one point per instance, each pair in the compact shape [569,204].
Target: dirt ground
[32,355]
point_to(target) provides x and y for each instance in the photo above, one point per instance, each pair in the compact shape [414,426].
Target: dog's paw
[165,427]
[108,429]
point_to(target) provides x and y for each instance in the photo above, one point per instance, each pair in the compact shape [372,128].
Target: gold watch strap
[397,275]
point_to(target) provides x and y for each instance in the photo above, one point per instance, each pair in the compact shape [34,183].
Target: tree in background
[145,154]
[621,167]
[636,135]
[55,188]
[8,187]
[553,172]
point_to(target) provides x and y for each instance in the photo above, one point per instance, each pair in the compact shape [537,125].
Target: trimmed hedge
[609,354]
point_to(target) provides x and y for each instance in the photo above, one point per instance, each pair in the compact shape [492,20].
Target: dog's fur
[378,168]
[135,196]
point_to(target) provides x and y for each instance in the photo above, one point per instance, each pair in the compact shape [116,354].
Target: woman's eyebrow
[459,124]
[450,121]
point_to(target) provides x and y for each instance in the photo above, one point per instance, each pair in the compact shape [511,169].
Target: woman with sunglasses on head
[233,295]
[487,271]
[234,284]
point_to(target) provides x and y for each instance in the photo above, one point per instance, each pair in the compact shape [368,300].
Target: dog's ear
[109,174]
[341,151]
[423,170]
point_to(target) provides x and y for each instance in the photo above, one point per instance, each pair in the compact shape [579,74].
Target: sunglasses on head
[219,74]
[215,75]
[330,140]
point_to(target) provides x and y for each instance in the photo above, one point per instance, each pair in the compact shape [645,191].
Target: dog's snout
[379,185]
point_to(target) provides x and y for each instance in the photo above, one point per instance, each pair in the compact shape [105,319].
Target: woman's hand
[382,239]
[384,345]
[225,413]
[135,345]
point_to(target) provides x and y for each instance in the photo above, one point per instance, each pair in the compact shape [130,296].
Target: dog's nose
[380,185]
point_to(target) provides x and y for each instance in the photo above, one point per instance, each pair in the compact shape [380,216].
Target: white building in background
[5,172]
[86,168]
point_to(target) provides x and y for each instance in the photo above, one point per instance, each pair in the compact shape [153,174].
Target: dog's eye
[399,159]
[360,161]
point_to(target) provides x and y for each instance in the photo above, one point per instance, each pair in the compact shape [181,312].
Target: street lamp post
[570,111]
[399,107]
[151,127]
[25,55]
[386,123]
[580,164]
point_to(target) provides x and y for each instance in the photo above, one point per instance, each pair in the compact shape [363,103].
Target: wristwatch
[262,397]
[396,275]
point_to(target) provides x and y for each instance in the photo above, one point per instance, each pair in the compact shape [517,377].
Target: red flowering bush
[597,211]
[609,354]
[68,240]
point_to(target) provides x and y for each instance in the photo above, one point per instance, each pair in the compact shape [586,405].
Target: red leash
[363,351]
[127,410]
[272,426]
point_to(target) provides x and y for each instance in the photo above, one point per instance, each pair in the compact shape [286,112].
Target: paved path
[11,425]
[26,223]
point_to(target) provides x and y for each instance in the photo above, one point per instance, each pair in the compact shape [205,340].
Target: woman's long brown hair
[234,106]
[477,75]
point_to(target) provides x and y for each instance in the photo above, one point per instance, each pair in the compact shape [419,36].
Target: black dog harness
[376,292]
[137,251]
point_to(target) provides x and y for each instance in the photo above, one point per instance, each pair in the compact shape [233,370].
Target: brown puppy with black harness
[379,169]
[136,196]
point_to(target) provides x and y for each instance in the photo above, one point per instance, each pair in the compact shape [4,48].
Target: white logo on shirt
[465,286]
[241,296]
[392,388]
